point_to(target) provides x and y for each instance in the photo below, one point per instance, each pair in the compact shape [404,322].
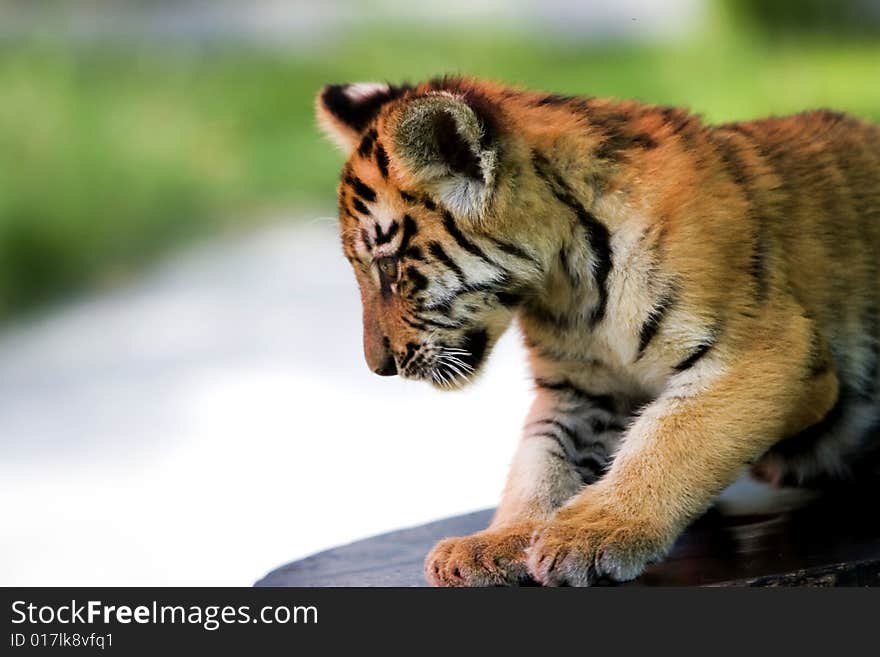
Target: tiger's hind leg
[841,448]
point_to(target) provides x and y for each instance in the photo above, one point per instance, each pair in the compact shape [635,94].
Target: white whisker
[453,367]
[460,362]
[461,370]
[450,356]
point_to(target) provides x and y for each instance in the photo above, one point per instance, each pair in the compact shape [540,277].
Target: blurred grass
[111,153]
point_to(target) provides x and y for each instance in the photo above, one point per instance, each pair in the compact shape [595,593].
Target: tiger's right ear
[344,110]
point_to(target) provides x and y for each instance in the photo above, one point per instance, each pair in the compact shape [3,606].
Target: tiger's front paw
[488,558]
[584,543]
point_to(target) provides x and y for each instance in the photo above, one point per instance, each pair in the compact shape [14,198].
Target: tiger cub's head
[425,223]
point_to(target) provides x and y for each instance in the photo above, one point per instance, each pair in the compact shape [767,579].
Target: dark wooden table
[833,541]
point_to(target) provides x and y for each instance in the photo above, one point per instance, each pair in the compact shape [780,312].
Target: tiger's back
[829,191]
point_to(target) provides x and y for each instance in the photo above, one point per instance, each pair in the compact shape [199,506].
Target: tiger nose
[387,367]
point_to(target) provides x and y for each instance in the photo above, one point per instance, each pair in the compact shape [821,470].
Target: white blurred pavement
[216,419]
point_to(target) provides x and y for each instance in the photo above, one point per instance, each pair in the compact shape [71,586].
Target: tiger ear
[344,110]
[444,144]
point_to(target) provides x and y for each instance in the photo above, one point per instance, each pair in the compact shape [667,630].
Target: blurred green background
[115,148]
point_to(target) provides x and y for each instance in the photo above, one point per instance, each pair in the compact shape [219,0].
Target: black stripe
[612,126]
[617,134]
[589,469]
[474,343]
[382,160]
[406,196]
[360,207]
[418,279]
[468,288]
[365,149]
[587,476]
[361,189]
[592,462]
[690,131]
[416,325]
[739,172]
[512,249]
[536,311]
[348,213]
[818,367]
[508,299]
[676,118]
[652,324]
[559,457]
[413,253]
[818,362]
[433,323]
[438,253]
[470,247]
[778,162]
[614,425]
[384,238]
[758,268]
[598,425]
[454,151]
[553,99]
[485,286]
[602,402]
[596,446]
[574,276]
[600,244]
[557,440]
[358,112]
[443,306]
[409,231]
[429,204]
[733,162]
[695,356]
[566,430]
[461,240]
[598,237]
[761,215]
[411,349]
[615,143]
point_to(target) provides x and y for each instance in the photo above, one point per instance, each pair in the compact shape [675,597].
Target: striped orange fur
[696,301]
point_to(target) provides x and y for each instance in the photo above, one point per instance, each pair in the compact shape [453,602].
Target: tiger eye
[387,268]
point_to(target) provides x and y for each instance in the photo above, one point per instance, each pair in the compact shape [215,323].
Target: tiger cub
[695,300]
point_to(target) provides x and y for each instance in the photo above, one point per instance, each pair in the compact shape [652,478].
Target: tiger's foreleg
[683,449]
[567,442]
